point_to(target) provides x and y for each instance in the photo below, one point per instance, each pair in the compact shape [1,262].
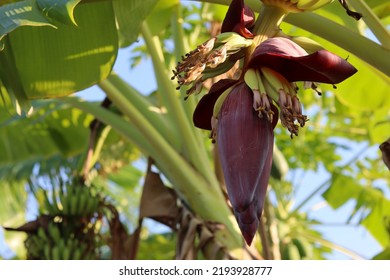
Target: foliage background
[336,185]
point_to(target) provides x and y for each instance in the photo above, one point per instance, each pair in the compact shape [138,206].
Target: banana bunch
[78,201]
[70,201]
[293,247]
[297,249]
[70,249]
[50,205]
[52,244]
[68,231]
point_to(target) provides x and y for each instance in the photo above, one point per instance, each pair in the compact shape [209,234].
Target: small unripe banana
[219,102]
[54,232]
[310,5]
[225,37]
[251,79]
[307,44]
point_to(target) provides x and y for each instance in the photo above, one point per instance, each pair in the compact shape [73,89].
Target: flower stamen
[217,57]
[193,63]
[313,86]
[291,111]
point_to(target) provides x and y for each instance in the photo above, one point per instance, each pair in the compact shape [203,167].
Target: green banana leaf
[57,62]
[52,130]
[22,13]
[62,11]
[345,188]
[130,15]
[67,45]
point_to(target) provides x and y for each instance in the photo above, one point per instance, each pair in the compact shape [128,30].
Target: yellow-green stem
[99,146]
[266,26]
[373,22]
[189,180]
[117,122]
[181,48]
[192,148]
[158,120]
[268,22]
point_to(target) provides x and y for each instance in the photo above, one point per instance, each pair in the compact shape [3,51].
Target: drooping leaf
[342,189]
[374,222]
[130,15]
[22,13]
[123,245]
[345,188]
[11,85]
[380,125]
[366,90]
[58,62]
[51,131]
[61,10]
[12,201]
[158,202]
[160,15]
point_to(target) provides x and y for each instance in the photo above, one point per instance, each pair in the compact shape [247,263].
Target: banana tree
[52,49]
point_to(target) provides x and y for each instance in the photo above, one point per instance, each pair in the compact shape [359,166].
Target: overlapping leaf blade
[51,131]
[22,13]
[61,11]
[58,62]
[345,188]
[129,15]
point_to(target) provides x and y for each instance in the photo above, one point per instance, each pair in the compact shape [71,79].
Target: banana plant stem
[180,49]
[115,121]
[99,145]
[192,148]
[188,180]
[157,118]
[264,240]
[373,22]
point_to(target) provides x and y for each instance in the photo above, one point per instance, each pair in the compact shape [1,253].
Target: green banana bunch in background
[68,226]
